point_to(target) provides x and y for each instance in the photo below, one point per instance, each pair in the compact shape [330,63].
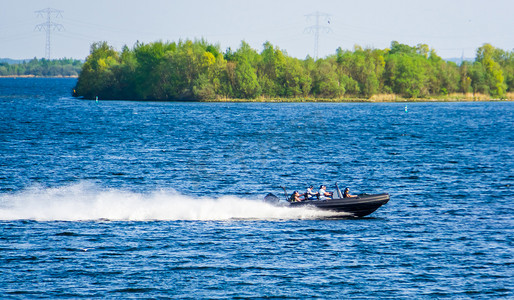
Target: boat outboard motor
[271,199]
[274,200]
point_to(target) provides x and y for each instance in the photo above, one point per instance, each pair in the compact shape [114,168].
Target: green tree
[479,79]
[508,68]
[488,57]
[147,75]
[406,75]
[326,80]
[443,77]
[465,77]
[407,70]
[3,69]
[97,77]
[245,82]
[295,79]
[271,71]
[281,75]
[363,67]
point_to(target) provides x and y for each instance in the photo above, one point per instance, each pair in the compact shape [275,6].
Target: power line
[317,29]
[48,26]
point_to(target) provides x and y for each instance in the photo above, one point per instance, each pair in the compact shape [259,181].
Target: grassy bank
[454,97]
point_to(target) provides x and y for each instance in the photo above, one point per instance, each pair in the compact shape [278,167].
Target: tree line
[198,70]
[42,67]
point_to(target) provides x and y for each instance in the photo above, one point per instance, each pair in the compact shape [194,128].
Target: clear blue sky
[451,27]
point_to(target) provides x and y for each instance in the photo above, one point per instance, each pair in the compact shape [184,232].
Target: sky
[453,28]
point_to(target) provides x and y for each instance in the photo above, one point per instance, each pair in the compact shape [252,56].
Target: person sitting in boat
[323,194]
[310,194]
[346,193]
[295,197]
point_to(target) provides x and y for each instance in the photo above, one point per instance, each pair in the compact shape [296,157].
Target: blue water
[162,200]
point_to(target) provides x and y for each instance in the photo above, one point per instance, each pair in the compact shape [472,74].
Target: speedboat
[358,206]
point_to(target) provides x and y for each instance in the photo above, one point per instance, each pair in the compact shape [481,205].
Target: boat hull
[359,206]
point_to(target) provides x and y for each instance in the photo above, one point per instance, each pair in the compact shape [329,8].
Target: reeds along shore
[455,97]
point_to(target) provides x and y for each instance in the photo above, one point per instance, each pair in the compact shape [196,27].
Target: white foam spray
[85,201]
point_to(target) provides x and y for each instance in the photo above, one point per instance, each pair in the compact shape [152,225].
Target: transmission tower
[48,26]
[318,28]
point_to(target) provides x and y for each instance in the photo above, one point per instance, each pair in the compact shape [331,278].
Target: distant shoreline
[34,76]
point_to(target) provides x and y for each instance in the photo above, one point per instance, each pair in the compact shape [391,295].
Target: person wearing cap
[346,193]
[323,194]
[309,193]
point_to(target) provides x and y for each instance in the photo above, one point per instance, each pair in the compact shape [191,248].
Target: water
[161,200]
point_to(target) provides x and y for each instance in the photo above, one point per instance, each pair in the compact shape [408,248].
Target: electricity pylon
[317,29]
[48,26]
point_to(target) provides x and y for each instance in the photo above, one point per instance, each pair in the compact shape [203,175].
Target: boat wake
[85,201]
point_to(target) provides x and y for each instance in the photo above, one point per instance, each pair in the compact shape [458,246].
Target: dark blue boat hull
[359,206]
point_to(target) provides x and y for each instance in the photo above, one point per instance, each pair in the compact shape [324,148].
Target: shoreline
[309,100]
[383,98]
[36,76]
[339,101]
[457,97]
